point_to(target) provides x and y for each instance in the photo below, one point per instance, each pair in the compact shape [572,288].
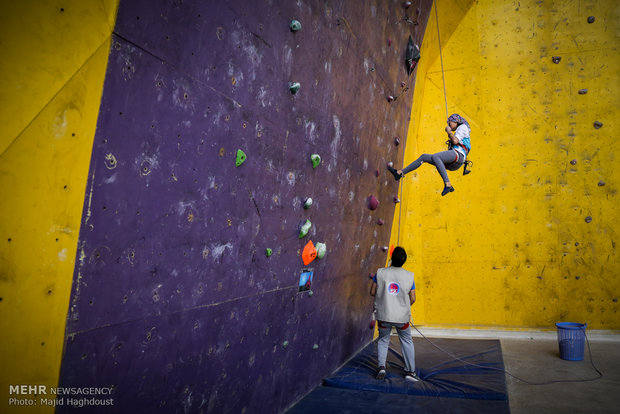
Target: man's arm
[412,296]
[373,288]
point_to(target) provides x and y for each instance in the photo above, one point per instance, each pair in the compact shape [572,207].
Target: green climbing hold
[316,160]
[321,249]
[240,157]
[295,25]
[268,252]
[307,203]
[284,344]
[294,87]
[315,346]
[305,229]
[310,293]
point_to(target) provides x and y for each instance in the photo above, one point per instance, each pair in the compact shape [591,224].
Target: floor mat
[450,383]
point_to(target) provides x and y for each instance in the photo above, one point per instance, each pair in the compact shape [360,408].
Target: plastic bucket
[571,339]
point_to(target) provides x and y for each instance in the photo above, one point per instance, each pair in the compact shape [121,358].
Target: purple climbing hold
[380,222]
[396,141]
[390,164]
[598,125]
[403,84]
[385,248]
[390,98]
[396,200]
[591,19]
[573,162]
[582,91]
[588,219]
[406,4]
[376,173]
[556,59]
[601,183]
[373,203]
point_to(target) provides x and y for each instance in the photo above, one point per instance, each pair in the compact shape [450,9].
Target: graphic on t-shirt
[393,288]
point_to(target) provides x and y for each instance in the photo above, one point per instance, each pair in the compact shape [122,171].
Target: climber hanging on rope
[459,145]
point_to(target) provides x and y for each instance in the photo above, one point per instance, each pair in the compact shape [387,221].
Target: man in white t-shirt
[394,290]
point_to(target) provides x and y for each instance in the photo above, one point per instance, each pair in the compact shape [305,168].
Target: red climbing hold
[309,253]
[373,203]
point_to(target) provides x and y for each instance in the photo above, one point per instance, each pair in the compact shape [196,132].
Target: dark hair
[399,256]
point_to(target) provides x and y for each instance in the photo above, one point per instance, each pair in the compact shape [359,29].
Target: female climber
[458,130]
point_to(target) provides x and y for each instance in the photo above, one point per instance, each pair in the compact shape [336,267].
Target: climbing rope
[443,77]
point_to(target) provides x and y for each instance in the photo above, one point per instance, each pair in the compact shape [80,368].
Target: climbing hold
[295,25]
[268,252]
[373,203]
[598,125]
[396,200]
[390,164]
[591,19]
[321,249]
[556,59]
[310,293]
[576,243]
[241,157]
[380,222]
[294,87]
[582,91]
[390,98]
[588,219]
[316,160]
[307,203]
[396,141]
[384,248]
[284,344]
[573,162]
[403,84]
[315,346]
[305,228]
[412,56]
[309,253]
[389,42]
[407,4]
[371,276]
[372,323]
[376,173]
[391,249]
[601,183]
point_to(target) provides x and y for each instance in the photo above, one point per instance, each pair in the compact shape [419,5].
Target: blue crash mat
[442,375]
[448,385]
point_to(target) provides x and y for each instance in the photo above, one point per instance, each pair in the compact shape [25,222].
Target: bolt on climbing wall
[238,199]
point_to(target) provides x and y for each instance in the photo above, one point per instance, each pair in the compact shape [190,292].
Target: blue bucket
[571,339]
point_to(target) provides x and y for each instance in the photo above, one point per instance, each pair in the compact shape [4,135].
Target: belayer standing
[459,145]
[394,290]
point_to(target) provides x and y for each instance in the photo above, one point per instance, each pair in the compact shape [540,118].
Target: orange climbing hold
[309,253]
[391,249]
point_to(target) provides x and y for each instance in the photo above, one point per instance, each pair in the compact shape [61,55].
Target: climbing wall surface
[528,238]
[53,65]
[175,302]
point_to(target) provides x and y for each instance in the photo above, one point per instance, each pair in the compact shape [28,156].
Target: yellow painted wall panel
[517,225]
[49,118]
[43,47]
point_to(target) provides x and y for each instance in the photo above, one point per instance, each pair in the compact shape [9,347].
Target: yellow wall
[53,65]
[511,246]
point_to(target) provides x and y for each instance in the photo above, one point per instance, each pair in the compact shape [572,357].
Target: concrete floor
[534,357]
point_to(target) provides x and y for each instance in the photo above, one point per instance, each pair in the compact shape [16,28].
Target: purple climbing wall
[175,303]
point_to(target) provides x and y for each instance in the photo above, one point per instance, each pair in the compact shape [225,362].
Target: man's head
[399,256]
